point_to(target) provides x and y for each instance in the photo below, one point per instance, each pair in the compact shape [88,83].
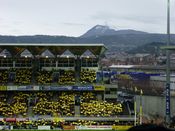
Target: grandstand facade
[45,84]
[43,64]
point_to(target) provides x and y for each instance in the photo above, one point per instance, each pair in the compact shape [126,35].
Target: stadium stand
[67,77]
[19,104]
[44,104]
[44,77]
[88,96]
[3,76]
[42,87]
[96,108]
[64,104]
[15,106]
[23,76]
[87,76]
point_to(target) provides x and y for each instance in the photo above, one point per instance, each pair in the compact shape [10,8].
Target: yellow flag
[141,92]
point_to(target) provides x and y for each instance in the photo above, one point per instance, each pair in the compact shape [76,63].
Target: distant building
[142,59]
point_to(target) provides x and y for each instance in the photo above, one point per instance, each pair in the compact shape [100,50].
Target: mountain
[101,30]
[120,40]
[37,39]
[150,48]
[130,31]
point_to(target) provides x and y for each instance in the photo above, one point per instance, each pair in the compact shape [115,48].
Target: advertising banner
[10,119]
[4,127]
[62,88]
[1,119]
[121,127]
[29,87]
[83,88]
[44,87]
[36,88]
[21,88]
[65,127]
[3,88]
[99,87]
[1,127]
[57,88]
[11,88]
[167,99]
[94,127]
[43,127]
[22,119]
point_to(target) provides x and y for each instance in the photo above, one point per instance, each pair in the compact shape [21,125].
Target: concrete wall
[154,105]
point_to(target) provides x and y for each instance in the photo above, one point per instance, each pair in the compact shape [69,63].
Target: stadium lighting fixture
[88,57]
[5,56]
[68,60]
[25,56]
[46,56]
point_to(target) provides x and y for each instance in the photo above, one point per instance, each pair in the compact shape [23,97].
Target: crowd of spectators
[63,105]
[60,103]
[88,96]
[33,124]
[56,105]
[4,107]
[66,102]
[67,77]
[17,106]
[44,105]
[93,122]
[3,76]
[84,122]
[87,76]
[23,76]
[44,77]
[100,108]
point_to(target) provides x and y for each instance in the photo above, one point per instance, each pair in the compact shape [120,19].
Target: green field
[69,130]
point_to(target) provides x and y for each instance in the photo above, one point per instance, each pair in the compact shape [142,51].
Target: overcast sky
[75,17]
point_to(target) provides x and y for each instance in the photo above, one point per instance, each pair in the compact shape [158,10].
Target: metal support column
[168,66]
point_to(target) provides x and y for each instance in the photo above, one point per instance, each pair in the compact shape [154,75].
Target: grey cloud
[103,15]
[17,22]
[73,24]
[130,17]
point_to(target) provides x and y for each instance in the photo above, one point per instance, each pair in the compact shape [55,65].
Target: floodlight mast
[168,111]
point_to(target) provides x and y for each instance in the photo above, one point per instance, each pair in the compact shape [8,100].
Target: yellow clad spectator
[87,76]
